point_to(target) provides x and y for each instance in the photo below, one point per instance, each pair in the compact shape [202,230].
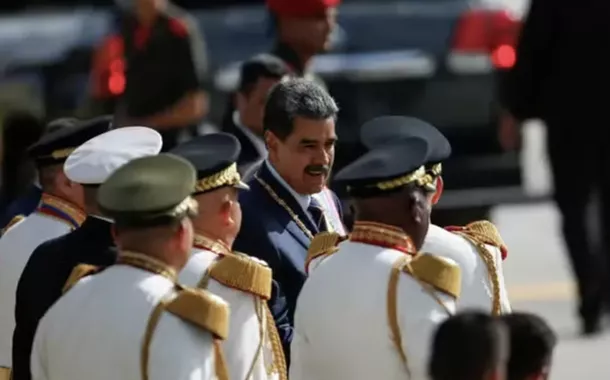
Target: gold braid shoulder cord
[492,270]
[392,304]
[281,202]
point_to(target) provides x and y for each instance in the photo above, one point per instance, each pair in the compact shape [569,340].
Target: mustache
[317,169]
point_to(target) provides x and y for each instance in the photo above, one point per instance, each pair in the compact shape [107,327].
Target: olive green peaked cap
[149,191]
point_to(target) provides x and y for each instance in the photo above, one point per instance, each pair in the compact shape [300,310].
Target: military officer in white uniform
[368,310]
[50,264]
[478,247]
[253,348]
[132,320]
[59,212]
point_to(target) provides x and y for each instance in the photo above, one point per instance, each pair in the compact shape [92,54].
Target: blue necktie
[317,215]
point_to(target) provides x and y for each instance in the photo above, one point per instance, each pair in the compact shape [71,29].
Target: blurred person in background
[469,346]
[561,77]
[302,30]
[532,342]
[258,75]
[21,189]
[165,58]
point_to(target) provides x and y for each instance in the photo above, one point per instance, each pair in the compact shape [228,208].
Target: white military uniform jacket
[477,250]
[253,348]
[360,315]
[130,321]
[54,217]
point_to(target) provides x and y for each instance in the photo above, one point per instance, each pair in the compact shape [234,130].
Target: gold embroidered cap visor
[226,177]
[214,156]
[387,169]
[55,146]
[149,191]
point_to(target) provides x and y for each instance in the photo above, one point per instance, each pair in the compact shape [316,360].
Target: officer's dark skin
[192,107]
[408,209]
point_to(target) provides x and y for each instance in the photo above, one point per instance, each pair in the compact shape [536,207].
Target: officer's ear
[271,141]
[114,235]
[440,186]
[417,205]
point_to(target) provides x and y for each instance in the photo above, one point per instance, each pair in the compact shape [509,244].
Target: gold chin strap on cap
[226,177]
[59,153]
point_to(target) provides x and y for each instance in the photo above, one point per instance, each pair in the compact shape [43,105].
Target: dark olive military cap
[149,191]
[386,169]
[214,156]
[385,129]
[55,146]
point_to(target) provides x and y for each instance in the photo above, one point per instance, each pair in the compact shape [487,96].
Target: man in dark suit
[258,75]
[561,76]
[49,267]
[288,202]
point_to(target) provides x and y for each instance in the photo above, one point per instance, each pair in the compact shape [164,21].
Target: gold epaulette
[80,271]
[484,232]
[202,309]
[16,219]
[241,272]
[444,275]
[324,243]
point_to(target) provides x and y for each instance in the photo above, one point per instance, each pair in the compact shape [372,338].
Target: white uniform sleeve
[419,315]
[180,351]
[242,345]
[298,361]
[38,355]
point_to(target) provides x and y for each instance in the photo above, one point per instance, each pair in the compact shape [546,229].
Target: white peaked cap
[95,160]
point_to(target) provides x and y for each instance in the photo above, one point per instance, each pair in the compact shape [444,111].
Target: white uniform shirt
[16,246]
[477,288]
[341,319]
[247,357]
[96,332]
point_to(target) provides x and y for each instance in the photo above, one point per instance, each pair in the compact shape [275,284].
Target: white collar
[247,131]
[303,200]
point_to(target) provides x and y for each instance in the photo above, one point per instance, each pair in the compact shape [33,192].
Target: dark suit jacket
[269,233]
[24,205]
[44,277]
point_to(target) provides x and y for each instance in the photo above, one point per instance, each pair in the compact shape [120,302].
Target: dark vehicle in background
[439,60]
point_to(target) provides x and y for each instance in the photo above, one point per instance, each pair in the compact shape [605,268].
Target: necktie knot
[317,214]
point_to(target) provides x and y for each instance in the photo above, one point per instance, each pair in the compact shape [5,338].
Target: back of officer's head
[531,346]
[469,346]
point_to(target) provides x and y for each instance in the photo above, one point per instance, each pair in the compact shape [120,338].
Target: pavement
[537,273]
